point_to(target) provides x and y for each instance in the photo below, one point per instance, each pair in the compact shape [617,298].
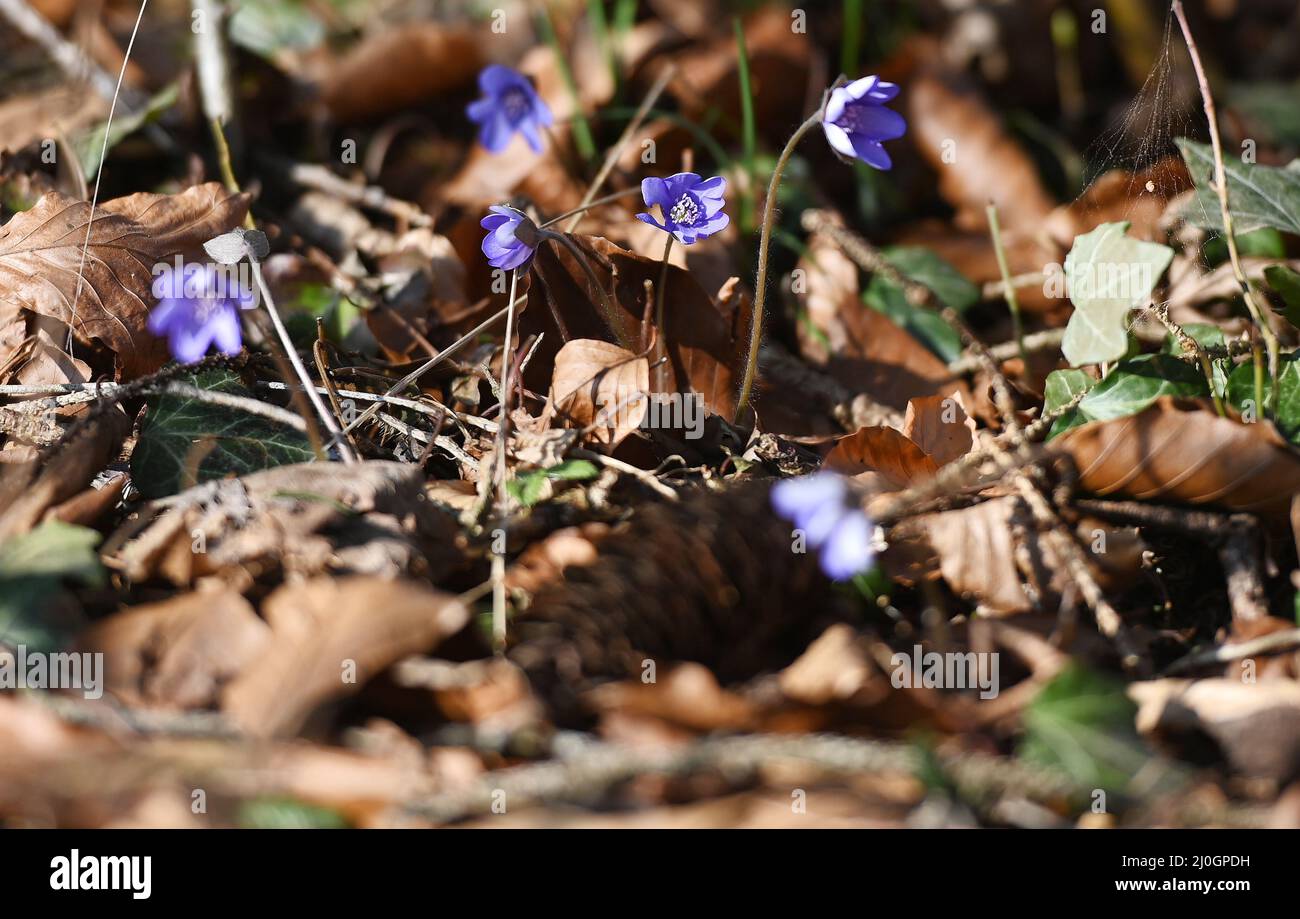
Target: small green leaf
[949,285]
[179,432]
[1260,196]
[90,145]
[1264,243]
[1062,386]
[1083,723]
[1107,274]
[32,569]
[281,813]
[526,487]
[1287,284]
[1241,395]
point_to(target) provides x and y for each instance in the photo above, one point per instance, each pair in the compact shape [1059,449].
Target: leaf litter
[431,526]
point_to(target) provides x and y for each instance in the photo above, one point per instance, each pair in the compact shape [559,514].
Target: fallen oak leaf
[41,255]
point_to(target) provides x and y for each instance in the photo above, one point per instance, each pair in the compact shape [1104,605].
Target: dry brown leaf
[306,518]
[703,354]
[884,451]
[400,67]
[1256,725]
[30,489]
[1179,451]
[326,628]
[40,253]
[601,387]
[940,426]
[180,652]
[688,696]
[977,162]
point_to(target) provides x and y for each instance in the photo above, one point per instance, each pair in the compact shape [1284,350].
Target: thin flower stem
[326,416]
[606,306]
[749,132]
[764,242]
[659,311]
[1221,186]
[499,474]
[625,193]
[1013,300]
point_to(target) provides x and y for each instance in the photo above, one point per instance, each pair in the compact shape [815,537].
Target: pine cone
[710,579]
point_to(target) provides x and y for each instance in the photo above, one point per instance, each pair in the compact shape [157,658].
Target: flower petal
[838,138]
[871,152]
[646,218]
[878,122]
[654,190]
[224,326]
[847,550]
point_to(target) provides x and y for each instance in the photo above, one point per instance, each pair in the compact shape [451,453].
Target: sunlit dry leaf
[40,253]
[602,387]
[940,426]
[881,450]
[1181,452]
[326,629]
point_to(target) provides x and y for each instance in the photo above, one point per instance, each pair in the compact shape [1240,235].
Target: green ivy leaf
[1107,274]
[178,431]
[1134,385]
[1260,196]
[949,285]
[268,26]
[1241,395]
[1287,284]
[1061,388]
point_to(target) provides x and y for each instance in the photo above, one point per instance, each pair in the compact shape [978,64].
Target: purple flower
[509,104]
[197,308]
[856,120]
[502,244]
[691,206]
[819,506]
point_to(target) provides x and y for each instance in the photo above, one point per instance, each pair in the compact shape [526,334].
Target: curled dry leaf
[1179,451]
[317,628]
[940,426]
[601,388]
[883,452]
[40,254]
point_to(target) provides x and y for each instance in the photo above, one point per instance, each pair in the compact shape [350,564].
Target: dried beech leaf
[601,386]
[940,426]
[319,625]
[40,253]
[1179,451]
[881,450]
[977,553]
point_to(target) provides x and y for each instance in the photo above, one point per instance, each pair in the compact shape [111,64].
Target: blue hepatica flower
[856,120]
[509,104]
[691,206]
[502,245]
[819,506]
[197,308]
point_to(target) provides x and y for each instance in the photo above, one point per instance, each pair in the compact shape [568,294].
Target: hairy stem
[764,243]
